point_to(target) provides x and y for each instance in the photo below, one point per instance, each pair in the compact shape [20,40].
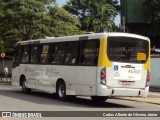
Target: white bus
[97,65]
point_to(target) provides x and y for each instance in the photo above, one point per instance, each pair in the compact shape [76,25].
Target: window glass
[25,54]
[125,49]
[71,53]
[90,50]
[34,54]
[44,54]
[58,52]
[18,52]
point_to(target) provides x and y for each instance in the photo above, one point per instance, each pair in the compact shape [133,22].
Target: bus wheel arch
[61,89]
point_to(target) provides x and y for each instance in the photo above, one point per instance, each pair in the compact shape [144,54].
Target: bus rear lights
[103,76]
[148,78]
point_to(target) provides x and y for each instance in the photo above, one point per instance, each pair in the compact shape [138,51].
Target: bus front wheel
[61,90]
[24,88]
[99,98]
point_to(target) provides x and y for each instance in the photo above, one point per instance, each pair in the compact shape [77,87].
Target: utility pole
[124,26]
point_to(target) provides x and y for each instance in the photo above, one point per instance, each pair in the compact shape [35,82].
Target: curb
[141,99]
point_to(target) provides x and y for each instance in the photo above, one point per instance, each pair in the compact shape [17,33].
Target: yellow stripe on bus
[103,59]
[147,64]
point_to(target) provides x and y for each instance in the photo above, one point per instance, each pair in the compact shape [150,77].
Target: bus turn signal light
[103,76]
[148,76]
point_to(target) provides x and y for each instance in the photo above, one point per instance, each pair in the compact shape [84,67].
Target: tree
[154,33]
[62,23]
[28,17]
[22,20]
[32,19]
[94,15]
[155,7]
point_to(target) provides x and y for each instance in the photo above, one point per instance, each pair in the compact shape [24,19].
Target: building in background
[135,17]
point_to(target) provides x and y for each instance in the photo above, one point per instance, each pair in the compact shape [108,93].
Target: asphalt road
[12,99]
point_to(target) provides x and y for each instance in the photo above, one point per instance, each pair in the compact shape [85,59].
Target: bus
[97,65]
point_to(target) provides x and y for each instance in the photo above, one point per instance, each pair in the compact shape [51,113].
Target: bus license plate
[127,82]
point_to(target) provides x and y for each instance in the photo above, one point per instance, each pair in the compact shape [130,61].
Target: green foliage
[155,7]
[94,15]
[11,37]
[32,19]
[62,23]
[27,16]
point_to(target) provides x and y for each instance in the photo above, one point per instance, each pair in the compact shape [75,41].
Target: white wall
[155,72]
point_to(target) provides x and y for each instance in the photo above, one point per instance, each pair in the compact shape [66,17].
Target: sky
[62,2]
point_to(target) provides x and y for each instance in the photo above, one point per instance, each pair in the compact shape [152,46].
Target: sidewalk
[153,97]
[4,80]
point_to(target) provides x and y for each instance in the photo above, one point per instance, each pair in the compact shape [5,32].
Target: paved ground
[153,97]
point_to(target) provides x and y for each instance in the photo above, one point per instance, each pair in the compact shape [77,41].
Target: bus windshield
[126,49]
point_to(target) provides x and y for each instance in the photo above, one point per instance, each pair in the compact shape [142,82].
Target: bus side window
[90,52]
[17,57]
[34,54]
[71,53]
[44,54]
[82,59]
[58,53]
[25,54]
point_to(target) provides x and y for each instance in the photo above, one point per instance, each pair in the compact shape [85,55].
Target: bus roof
[81,37]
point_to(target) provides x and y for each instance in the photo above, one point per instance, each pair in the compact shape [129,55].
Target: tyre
[99,98]
[61,91]
[24,88]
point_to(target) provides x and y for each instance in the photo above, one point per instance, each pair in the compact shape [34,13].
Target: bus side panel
[46,81]
[16,75]
[81,79]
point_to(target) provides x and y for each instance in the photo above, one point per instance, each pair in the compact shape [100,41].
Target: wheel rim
[61,90]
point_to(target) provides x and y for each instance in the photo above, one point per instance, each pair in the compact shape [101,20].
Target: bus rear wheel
[24,87]
[61,90]
[99,98]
